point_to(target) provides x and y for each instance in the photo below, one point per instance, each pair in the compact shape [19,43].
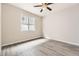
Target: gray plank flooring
[47,48]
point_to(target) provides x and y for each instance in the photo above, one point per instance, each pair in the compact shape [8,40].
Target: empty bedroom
[39,29]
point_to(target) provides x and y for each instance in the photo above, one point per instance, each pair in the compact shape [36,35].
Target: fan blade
[49,9]
[41,10]
[38,6]
[49,3]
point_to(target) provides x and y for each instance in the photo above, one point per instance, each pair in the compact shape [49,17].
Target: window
[27,23]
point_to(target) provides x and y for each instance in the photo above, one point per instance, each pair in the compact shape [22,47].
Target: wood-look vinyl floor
[46,48]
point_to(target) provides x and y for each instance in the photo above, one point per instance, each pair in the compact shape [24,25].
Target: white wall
[0,29]
[11,26]
[63,25]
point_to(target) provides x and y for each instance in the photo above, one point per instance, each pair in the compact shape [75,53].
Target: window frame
[27,20]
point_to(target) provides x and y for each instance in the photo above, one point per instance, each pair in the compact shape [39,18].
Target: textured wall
[11,33]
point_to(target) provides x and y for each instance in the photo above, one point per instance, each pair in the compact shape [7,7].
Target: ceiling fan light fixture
[44,6]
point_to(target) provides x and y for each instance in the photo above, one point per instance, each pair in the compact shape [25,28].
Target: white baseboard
[76,44]
[20,41]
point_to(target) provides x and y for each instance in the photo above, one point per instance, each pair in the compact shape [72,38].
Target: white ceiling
[36,10]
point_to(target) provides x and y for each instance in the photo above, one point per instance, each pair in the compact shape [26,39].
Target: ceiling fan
[44,5]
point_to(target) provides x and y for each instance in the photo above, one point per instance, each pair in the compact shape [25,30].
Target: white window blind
[27,23]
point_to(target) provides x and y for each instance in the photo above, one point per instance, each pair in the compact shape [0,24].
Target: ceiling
[36,10]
